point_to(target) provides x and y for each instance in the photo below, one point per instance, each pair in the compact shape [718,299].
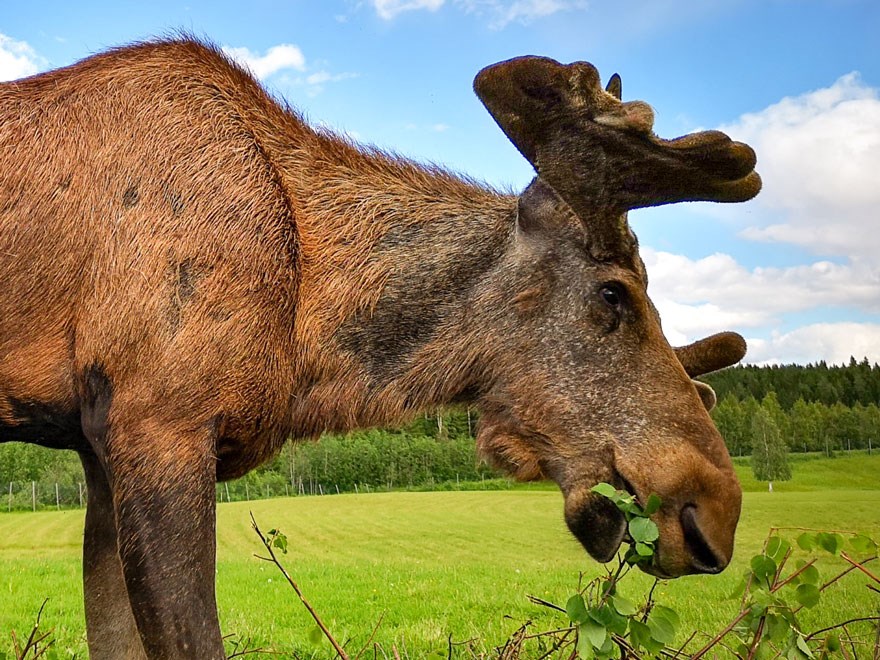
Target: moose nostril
[704,559]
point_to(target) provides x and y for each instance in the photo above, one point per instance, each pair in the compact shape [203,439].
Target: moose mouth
[596,521]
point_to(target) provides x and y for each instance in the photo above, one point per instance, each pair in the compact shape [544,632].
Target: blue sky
[796,271]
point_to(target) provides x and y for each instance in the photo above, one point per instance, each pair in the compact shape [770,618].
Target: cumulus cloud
[698,297]
[18,59]
[819,155]
[283,57]
[833,342]
[388,9]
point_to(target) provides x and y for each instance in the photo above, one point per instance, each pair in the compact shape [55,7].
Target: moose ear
[537,208]
[615,87]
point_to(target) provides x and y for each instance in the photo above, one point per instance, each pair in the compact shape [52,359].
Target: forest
[813,408]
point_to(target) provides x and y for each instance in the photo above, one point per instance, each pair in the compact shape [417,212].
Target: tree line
[816,408]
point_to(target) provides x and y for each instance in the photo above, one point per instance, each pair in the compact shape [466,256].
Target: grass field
[431,564]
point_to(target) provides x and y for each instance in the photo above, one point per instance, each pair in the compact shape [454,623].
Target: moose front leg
[110,626]
[163,493]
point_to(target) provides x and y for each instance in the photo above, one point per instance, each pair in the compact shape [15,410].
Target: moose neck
[393,256]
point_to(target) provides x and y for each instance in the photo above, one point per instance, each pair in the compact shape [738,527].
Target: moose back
[190,275]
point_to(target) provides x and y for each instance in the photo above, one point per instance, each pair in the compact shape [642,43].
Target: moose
[192,275]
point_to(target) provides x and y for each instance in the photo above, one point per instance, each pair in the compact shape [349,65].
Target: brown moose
[190,275]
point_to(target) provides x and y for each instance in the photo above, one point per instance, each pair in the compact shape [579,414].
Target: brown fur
[191,275]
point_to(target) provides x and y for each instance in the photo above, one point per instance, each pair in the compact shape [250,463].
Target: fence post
[80,487]
[226,486]
[10,496]
[34,494]
[57,498]
[247,492]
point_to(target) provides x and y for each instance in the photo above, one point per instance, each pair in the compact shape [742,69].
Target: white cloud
[819,155]
[500,13]
[833,342]
[278,58]
[521,11]
[321,77]
[18,59]
[388,9]
[699,297]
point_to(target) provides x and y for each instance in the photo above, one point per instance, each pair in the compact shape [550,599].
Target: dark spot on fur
[220,314]
[45,424]
[186,284]
[63,184]
[185,274]
[130,197]
[174,200]
[96,396]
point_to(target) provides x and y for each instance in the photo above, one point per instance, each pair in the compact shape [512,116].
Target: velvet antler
[712,353]
[599,154]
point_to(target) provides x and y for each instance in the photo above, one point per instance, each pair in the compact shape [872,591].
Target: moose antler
[711,353]
[601,155]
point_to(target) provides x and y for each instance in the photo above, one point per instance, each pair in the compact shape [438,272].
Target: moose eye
[610,296]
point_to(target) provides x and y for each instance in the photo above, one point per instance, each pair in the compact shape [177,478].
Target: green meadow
[433,566]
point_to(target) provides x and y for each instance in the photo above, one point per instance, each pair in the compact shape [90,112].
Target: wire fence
[47,496]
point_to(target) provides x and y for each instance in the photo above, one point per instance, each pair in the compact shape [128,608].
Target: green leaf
[280,542]
[832,543]
[763,566]
[832,642]
[644,550]
[777,548]
[652,505]
[436,655]
[804,647]
[666,613]
[605,490]
[585,649]
[608,617]
[862,543]
[315,636]
[640,636]
[576,609]
[661,628]
[806,541]
[810,575]
[644,530]
[807,595]
[594,632]
[623,605]
[776,627]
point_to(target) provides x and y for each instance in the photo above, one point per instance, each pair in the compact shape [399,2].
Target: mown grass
[430,564]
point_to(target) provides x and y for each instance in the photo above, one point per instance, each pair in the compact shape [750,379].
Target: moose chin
[192,275]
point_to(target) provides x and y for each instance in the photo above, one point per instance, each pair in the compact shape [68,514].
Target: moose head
[584,386]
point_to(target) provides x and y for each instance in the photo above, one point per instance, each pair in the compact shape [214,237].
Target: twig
[370,638]
[339,650]
[838,625]
[541,601]
[860,566]
[33,642]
